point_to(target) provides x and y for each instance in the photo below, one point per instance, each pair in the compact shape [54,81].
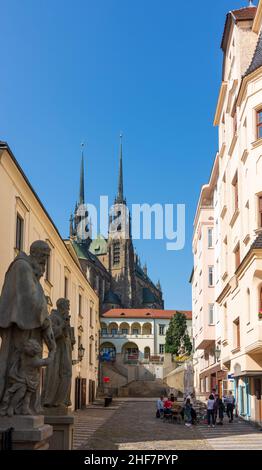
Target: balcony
[129,336]
[205,337]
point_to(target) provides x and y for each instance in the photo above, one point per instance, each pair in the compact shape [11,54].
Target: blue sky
[88,69]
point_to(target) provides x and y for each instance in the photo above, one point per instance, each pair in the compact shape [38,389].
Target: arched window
[147,352]
[116,252]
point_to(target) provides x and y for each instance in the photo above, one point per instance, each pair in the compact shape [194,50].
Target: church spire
[120,192]
[82,184]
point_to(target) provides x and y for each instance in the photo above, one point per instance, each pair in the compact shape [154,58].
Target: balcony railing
[126,335]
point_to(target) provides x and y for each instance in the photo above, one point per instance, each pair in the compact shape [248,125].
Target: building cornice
[244,83]
[224,292]
[220,103]
[258,19]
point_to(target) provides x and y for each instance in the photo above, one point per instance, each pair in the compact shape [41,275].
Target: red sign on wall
[106,379]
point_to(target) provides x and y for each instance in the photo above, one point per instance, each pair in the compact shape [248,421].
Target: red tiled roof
[246,13]
[144,313]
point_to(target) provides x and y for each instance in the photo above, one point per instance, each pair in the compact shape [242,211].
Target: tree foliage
[177,338]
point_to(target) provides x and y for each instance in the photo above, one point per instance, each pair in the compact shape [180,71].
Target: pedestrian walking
[160,407]
[221,410]
[210,410]
[216,406]
[230,406]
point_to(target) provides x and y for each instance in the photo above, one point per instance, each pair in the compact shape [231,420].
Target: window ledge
[257,143]
[246,239]
[244,156]
[232,145]
[48,283]
[234,218]
[223,212]
[235,350]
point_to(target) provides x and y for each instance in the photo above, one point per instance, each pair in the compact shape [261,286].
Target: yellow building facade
[24,220]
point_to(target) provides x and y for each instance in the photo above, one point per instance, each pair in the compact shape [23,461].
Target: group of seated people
[169,407]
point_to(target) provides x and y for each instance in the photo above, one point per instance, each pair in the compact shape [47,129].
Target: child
[24,379]
[210,410]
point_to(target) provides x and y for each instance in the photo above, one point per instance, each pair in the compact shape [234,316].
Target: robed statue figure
[24,327]
[58,375]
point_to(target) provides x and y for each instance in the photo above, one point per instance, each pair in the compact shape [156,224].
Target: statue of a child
[24,379]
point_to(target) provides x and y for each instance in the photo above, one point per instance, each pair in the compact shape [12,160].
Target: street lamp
[81,352]
[217,353]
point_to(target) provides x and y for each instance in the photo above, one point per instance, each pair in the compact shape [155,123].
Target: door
[90,392]
[83,393]
[77,393]
[220,389]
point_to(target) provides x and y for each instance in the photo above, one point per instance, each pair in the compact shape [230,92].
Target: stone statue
[24,317]
[24,377]
[57,383]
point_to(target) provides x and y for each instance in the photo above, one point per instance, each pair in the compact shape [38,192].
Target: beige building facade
[24,220]
[236,209]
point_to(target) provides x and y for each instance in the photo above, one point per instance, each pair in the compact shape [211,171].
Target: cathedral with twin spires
[111,265]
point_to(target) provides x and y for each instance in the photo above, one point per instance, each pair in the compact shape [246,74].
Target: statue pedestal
[62,422]
[30,432]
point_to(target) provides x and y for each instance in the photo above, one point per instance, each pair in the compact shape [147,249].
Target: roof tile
[144,313]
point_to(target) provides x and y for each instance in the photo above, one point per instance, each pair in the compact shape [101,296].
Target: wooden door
[77,393]
[83,393]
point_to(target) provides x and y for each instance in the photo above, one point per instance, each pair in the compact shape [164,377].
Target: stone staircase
[144,388]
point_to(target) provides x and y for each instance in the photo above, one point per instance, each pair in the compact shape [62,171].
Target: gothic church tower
[120,245]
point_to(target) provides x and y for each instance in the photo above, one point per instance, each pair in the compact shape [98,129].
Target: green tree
[177,338]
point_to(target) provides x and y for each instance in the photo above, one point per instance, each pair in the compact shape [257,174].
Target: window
[259,124]
[235,192]
[161,349]
[19,240]
[80,305]
[66,288]
[91,316]
[114,331]
[236,329]
[161,329]
[211,276]
[260,211]
[116,252]
[210,237]
[48,267]
[103,331]
[90,354]
[235,123]
[225,323]
[124,331]
[237,256]
[211,314]
[135,331]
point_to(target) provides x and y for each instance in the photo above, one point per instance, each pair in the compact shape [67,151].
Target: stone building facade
[24,219]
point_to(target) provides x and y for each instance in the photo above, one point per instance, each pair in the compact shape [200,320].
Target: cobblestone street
[131,425]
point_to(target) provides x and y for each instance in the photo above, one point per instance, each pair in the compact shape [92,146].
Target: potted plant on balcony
[260,314]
